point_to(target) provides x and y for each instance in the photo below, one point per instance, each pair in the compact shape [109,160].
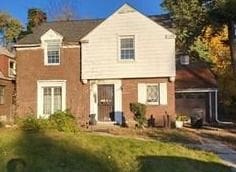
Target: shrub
[139,111]
[63,121]
[30,123]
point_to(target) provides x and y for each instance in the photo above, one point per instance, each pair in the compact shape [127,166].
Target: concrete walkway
[227,154]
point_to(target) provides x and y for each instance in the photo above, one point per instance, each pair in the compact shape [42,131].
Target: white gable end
[51,35]
[154,48]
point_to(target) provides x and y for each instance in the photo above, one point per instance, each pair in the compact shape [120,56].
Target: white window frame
[157,102]
[119,47]
[163,93]
[9,68]
[3,95]
[49,83]
[46,53]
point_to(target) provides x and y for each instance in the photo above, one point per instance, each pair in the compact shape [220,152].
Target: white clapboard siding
[163,93]
[154,52]
[142,93]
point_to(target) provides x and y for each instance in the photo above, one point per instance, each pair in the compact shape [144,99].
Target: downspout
[216,112]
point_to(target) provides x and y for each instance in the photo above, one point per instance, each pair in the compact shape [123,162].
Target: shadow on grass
[178,164]
[174,136]
[37,152]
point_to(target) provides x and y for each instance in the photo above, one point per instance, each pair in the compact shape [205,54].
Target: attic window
[53,52]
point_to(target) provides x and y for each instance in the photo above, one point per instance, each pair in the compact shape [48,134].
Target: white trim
[49,83]
[14,68]
[117,97]
[39,47]
[196,90]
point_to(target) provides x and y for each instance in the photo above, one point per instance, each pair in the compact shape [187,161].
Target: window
[53,52]
[152,93]
[12,68]
[52,99]
[2,90]
[127,48]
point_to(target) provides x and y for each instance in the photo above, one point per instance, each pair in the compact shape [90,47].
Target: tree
[193,16]
[63,10]
[35,18]
[10,28]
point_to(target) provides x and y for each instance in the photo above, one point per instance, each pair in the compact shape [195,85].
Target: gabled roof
[195,75]
[73,31]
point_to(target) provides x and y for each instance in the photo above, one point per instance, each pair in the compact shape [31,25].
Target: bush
[62,121]
[30,123]
[139,111]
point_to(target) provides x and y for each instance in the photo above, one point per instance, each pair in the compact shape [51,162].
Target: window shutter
[163,93]
[142,92]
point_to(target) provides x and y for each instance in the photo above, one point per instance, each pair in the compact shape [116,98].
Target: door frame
[117,97]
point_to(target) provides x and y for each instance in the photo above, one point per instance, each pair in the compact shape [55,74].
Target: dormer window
[127,48]
[51,43]
[53,52]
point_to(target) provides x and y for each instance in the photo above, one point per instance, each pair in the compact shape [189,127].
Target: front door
[106,102]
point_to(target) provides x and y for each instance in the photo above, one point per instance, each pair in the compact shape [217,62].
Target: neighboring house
[196,89]
[7,85]
[98,67]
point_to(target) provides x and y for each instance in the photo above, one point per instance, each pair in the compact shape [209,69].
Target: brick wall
[30,68]
[130,94]
[7,109]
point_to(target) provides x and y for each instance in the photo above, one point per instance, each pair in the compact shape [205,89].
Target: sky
[86,8]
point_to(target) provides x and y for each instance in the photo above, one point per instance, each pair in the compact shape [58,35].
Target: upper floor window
[127,48]
[12,68]
[2,90]
[53,52]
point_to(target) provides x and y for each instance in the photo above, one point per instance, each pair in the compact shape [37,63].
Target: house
[7,85]
[196,89]
[98,67]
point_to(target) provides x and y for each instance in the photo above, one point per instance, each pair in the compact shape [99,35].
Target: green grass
[54,151]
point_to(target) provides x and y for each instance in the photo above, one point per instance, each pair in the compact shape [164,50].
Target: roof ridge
[75,20]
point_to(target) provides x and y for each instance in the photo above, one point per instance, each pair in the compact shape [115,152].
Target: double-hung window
[127,48]
[53,52]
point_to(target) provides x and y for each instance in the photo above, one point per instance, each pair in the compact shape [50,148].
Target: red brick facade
[31,68]
[130,94]
[7,108]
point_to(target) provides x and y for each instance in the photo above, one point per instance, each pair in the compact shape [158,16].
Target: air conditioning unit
[184,60]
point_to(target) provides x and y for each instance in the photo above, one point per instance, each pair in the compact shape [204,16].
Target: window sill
[53,64]
[126,60]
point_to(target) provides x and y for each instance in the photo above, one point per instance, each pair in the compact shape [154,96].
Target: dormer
[51,42]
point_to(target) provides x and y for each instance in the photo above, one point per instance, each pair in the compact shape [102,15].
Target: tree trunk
[232,43]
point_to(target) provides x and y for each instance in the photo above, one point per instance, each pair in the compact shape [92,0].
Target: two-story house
[97,67]
[7,85]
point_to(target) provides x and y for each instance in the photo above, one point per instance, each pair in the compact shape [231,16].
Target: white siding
[154,53]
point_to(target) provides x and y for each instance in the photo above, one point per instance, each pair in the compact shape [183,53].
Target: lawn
[55,151]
